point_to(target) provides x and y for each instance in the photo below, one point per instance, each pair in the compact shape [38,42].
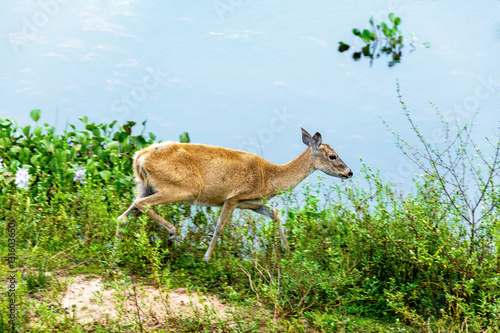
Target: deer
[205,175]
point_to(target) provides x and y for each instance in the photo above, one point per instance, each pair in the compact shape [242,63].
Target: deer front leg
[225,215]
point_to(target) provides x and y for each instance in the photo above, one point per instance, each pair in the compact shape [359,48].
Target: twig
[137,304]
[69,248]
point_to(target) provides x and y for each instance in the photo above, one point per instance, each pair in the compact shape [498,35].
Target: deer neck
[285,176]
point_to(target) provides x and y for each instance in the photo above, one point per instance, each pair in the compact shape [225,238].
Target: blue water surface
[247,74]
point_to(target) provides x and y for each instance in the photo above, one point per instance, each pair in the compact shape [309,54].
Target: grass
[370,259]
[349,269]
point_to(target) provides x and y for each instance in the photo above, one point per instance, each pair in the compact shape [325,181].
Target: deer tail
[141,174]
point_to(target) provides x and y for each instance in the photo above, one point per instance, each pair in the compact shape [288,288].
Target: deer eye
[332,157]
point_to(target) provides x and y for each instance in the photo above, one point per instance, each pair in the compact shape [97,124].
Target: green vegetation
[363,256]
[381,39]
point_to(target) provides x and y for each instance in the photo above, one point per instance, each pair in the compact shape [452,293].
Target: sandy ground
[88,300]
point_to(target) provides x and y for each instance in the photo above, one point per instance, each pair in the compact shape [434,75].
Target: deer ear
[306,137]
[316,141]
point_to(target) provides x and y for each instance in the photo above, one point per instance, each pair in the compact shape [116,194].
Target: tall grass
[374,260]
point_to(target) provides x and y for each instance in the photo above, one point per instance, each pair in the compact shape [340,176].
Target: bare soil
[88,300]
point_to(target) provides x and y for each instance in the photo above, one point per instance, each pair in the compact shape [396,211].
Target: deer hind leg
[123,219]
[166,196]
[273,214]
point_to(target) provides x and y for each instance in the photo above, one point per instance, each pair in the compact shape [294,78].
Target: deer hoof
[171,239]
[207,257]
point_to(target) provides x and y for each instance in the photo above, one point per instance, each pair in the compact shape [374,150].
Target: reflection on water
[382,39]
[374,50]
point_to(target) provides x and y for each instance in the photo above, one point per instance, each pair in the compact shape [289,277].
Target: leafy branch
[460,168]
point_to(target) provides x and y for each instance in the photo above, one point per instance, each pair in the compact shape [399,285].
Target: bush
[99,152]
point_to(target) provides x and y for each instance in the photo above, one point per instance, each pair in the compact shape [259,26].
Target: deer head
[324,158]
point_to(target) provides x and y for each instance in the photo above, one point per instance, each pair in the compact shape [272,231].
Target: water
[246,74]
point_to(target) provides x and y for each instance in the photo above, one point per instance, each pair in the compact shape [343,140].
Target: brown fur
[214,176]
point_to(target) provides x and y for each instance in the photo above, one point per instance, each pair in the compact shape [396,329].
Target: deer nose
[350,173]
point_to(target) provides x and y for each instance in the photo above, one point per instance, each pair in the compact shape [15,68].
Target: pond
[247,74]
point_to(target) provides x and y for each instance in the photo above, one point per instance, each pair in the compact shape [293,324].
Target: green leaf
[127,129]
[121,136]
[105,175]
[366,35]
[4,121]
[140,141]
[84,119]
[343,47]
[184,137]
[15,149]
[35,114]
[81,138]
[90,126]
[152,136]
[130,123]
[61,155]
[397,21]
[356,32]
[371,21]
[26,131]
[100,164]
[8,180]
[14,165]
[392,17]
[49,146]
[366,51]
[426,44]
[34,160]
[38,130]
[5,142]
[113,145]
